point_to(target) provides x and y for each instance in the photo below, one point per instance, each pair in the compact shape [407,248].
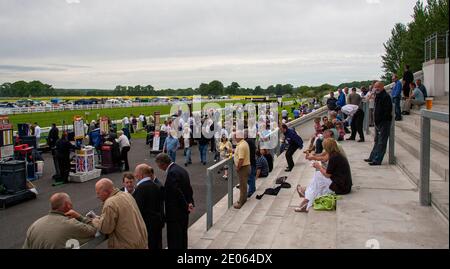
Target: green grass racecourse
[45,119]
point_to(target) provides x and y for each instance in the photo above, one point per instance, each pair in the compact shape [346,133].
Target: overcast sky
[180,44]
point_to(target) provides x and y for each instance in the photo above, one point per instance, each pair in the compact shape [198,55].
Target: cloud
[171,43]
[23,68]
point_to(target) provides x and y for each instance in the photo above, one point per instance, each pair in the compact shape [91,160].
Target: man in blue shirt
[341,98]
[296,113]
[295,142]
[396,94]
[171,145]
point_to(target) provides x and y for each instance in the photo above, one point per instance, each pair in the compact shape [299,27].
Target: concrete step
[252,214]
[438,161]
[438,127]
[438,185]
[439,196]
[438,140]
[221,234]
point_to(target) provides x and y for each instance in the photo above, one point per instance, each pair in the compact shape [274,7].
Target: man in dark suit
[148,196]
[179,202]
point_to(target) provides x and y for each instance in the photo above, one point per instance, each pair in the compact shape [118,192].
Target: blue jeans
[172,154]
[203,152]
[382,132]
[187,155]
[252,180]
[398,112]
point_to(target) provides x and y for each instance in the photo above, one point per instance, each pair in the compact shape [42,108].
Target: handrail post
[392,139]
[209,204]
[424,184]
[366,116]
[230,182]
[435,47]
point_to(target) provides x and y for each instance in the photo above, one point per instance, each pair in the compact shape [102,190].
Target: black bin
[13,176]
[30,140]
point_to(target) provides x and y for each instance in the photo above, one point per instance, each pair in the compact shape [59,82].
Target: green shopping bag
[326,202]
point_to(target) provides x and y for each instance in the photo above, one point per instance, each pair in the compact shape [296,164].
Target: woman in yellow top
[226,150]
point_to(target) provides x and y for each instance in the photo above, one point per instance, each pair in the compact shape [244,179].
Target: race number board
[104,125]
[157,116]
[78,127]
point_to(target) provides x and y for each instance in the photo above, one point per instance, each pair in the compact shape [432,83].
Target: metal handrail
[425,144]
[210,172]
[434,47]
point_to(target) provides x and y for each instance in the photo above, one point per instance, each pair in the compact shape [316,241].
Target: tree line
[406,44]
[214,88]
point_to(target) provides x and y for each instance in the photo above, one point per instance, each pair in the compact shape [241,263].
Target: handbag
[326,202]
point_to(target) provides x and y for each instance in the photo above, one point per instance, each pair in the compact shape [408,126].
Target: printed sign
[104,125]
[157,115]
[78,127]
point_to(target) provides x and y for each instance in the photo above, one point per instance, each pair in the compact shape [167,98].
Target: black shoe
[288,170]
[350,138]
[374,164]
[249,194]
[398,119]
[185,164]
[361,140]
[368,160]
[403,112]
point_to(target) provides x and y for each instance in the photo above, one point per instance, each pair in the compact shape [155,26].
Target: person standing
[252,177]
[63,148]
[149,199]
[126,123]
[408,77]
[242,163]
[332,102]
[121,219]
[178,201]
[354,98]
[284,114]
[203,146]
[53,136]
[341,98]
[124,146]
[37,133]
[187,139]
[396,94]
[55,229]
[383,121]
[295,142]
[171,145]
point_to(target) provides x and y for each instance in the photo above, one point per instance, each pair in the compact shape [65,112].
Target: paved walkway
[383,210]
[18,218]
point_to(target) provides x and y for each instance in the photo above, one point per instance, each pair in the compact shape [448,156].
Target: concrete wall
[446,76]
[435,77]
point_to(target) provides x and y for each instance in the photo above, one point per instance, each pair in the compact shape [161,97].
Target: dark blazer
[383,108]
[178,193]
[148,196]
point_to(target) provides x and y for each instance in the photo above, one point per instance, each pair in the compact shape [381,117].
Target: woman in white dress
[324,178]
